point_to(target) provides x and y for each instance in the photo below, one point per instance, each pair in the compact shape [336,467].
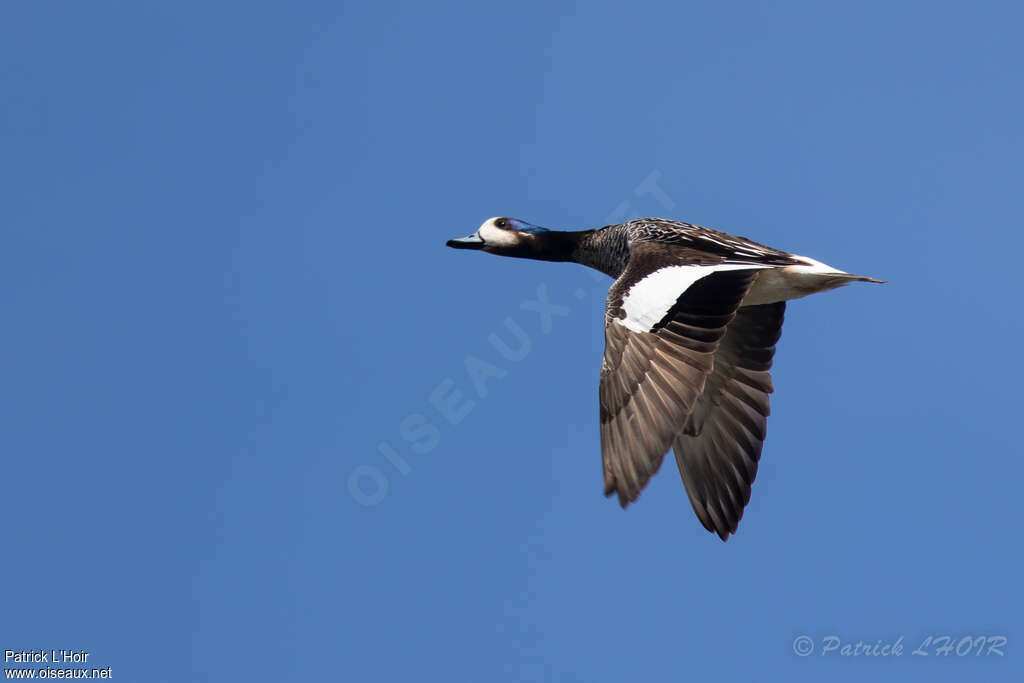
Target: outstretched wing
[662,329]
[720,445]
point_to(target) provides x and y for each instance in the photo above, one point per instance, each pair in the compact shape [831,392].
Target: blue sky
[228,303]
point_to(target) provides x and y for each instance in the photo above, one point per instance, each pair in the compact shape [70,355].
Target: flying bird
[691,324]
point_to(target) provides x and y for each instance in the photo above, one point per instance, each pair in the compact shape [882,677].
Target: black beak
[472,242]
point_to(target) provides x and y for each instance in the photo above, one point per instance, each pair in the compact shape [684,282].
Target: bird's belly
[792,282]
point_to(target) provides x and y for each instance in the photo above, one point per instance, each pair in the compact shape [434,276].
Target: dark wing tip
[611,489]
[714,524]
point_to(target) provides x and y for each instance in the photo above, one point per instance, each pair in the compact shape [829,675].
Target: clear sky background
[225,286]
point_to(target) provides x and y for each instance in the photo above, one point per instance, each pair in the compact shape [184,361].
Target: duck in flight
[691,323]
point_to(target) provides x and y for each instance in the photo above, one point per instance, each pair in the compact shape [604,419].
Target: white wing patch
[647,302]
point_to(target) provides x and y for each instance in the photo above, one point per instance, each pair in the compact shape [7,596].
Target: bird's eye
[501,223]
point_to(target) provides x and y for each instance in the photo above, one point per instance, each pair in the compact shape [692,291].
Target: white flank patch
[793,282]
[495,236]
[647,302]
[816,266]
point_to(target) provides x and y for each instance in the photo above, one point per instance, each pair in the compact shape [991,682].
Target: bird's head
[507,237]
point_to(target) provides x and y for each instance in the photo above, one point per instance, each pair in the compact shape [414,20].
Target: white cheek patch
[495,236]
[647,302]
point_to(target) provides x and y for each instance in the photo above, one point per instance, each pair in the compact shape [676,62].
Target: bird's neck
[606,250]
[551,245]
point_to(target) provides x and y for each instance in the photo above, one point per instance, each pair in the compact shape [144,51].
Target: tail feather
[865,278]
